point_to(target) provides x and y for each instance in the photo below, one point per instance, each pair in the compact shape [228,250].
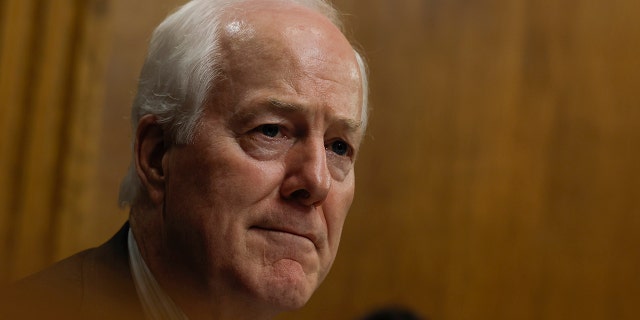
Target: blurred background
[500,178]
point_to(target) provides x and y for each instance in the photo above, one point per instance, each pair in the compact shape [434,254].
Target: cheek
[336,209]
[247,182]
[209,195]
[223,177]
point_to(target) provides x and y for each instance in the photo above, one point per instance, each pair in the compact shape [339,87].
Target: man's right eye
[269,130]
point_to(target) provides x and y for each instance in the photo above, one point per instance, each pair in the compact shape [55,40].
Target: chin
[287,300]
[288,288]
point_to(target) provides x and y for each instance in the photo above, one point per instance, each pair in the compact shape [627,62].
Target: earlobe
[149,151]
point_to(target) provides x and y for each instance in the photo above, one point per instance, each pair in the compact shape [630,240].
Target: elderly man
[247,123]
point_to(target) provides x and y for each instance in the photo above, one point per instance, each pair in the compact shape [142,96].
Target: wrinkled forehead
[277,27]
[259,40]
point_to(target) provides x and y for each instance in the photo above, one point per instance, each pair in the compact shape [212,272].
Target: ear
[150,149]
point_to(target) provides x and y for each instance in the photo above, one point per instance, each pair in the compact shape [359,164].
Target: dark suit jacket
[93,284]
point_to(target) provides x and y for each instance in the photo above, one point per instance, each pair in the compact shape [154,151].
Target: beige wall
[500,178]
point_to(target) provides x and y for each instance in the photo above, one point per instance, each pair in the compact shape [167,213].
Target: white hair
[182,65]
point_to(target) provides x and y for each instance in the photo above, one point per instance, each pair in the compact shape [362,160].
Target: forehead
[292,49]
[273,29]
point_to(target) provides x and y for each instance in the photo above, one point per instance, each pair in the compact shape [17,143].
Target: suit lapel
[108,288]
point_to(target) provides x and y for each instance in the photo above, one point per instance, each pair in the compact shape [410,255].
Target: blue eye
[340,147]
[269,130]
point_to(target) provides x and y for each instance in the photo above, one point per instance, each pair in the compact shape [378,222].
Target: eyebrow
[285,107]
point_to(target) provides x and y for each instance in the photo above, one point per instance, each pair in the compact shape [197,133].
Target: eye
[340,148]
[269,130]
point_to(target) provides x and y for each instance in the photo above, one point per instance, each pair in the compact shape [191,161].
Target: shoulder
[90,284]
[54,291]
[65,274]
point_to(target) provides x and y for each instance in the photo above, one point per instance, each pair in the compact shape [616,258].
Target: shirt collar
[157,305]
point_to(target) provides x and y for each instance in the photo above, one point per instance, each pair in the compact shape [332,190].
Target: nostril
[301,194]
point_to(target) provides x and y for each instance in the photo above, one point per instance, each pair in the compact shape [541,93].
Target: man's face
[254,207]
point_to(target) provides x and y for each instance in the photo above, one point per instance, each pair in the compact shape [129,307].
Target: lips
[307,235]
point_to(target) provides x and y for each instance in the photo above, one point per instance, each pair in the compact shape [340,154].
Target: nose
[307,179]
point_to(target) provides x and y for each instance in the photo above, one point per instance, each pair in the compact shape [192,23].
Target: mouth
[310,237]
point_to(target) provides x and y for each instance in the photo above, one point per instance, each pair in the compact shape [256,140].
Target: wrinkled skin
[245,221]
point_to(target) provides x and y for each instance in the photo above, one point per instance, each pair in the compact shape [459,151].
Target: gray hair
[180,71]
